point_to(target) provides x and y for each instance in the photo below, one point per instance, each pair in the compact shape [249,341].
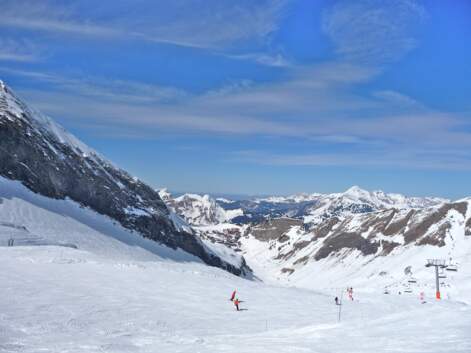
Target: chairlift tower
[437,263]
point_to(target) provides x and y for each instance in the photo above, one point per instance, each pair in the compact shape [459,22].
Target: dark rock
[303,260]
[437,238]
[418,230]
[341,241]
[323,229]
[387,247]
[287,270]
[274,228]
[467,230]
[398,226]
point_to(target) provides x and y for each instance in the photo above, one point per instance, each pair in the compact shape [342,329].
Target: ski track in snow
[117,292]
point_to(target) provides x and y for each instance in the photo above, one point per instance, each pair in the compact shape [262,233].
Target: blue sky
[255,97]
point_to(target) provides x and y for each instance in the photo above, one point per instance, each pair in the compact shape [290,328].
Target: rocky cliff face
[53,163]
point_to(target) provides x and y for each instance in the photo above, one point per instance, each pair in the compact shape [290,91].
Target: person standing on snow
[350,293]
[336,301]
[233,295]
[236,303]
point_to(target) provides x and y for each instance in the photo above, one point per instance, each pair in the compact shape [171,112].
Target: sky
[255,96]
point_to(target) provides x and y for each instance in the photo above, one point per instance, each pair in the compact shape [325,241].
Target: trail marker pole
[340,306]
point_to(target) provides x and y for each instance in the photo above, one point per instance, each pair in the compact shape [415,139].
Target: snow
[223,252]
[179,223]
[58,300]
[118,292]
[66,222]
[136,211]
[230,214]
[198,210]
[291,198]
[355,194]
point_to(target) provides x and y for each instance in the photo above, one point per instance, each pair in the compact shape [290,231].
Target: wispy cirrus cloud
[388,127]
[200,24]
[371,31]
[103,89]
[304,107]
[19,51]
[411,159]
[276,60]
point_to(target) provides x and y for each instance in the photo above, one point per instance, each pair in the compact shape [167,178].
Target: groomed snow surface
[92,286]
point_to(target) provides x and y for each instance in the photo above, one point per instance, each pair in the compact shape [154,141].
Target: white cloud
[276,60]
[104,89]
[373,31]
[315,106]
[384,158]
[201,24]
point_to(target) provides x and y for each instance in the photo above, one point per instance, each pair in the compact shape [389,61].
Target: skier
[350,293]
[236,303]
[337,301]
[233,295]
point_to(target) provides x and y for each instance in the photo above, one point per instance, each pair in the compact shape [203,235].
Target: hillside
[357,237]
[51,162]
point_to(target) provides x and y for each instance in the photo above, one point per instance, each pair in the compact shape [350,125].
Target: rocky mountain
[372,234]
[315,208]
[288,236]
[386,248]
[356,201]
[211,223]
[51,162]
[199,210]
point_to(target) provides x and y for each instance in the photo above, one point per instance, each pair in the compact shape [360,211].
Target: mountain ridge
[51,162]
[339,228]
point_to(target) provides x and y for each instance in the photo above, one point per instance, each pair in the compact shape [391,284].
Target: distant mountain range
[286,235]
[311,208]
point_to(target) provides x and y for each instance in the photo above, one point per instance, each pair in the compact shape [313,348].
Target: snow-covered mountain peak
[11,108]
[355,193]
[355,190]
[164,194]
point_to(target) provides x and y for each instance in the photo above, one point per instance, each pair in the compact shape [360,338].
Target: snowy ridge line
[17,107]
[358,195]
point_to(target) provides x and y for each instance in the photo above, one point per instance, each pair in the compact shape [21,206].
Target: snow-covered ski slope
[27,217]
[94,287]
